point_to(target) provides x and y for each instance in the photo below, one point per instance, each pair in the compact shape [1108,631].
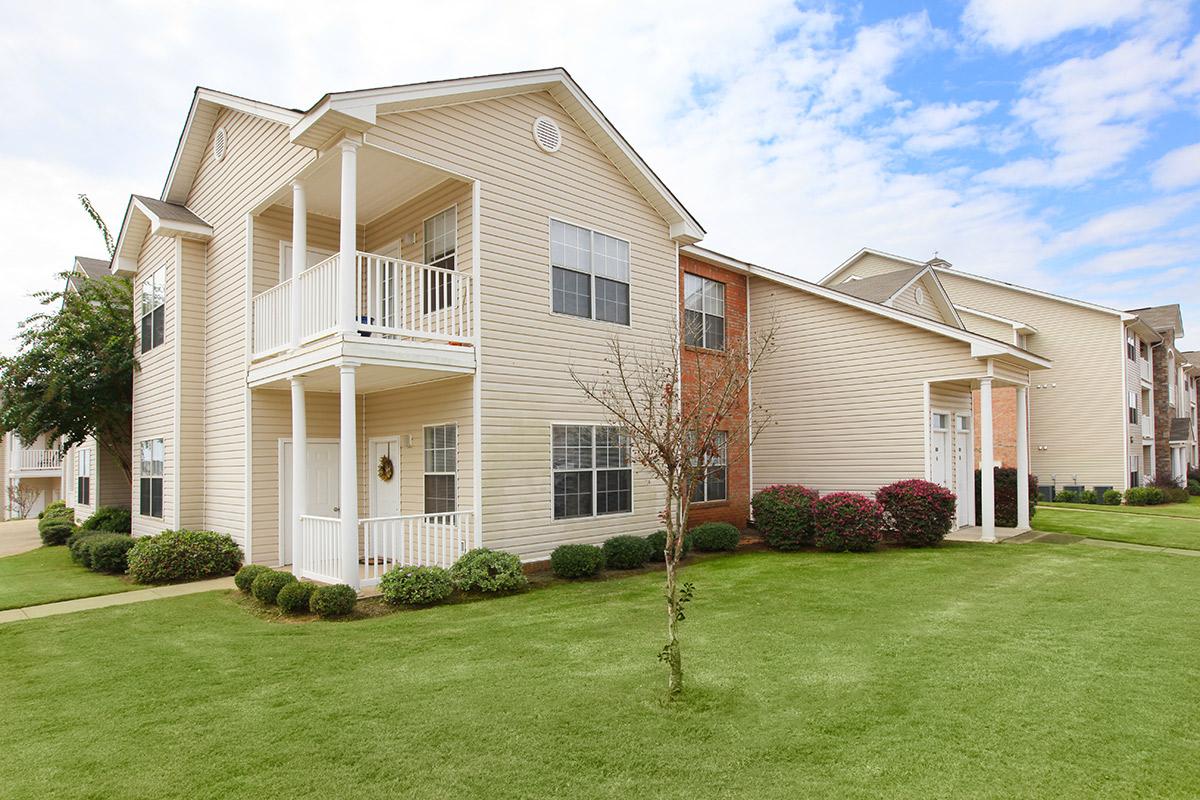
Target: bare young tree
[21,498]
[676,405]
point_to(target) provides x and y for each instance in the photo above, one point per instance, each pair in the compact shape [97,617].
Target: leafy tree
[73,374]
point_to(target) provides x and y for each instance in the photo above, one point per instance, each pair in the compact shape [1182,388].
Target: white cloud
[1178,168]
[1147,256]
[941,126]
[1014,24]
[1123,225]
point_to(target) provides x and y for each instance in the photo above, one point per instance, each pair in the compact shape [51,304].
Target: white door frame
[280,491]
[966,495]
[371,442]
[946,479]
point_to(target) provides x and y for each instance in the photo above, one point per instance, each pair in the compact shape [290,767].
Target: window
[1130,348]
[589,274]
[941,422]
[713,485]
[441,465]
[151,485]
[83,478]
[1133,408]
[703,312]
[592,472]
[1134,470]
[441,244]
[153,303]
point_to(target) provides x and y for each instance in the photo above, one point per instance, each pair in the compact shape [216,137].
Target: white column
[348,475]
[299,254]
[987,461]
[299,470]
[348,251]
[1022,457]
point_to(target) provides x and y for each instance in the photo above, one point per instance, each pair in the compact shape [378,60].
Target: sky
[1053,144]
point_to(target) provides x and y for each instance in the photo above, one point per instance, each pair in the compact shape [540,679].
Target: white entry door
[964,457]
[324,487]
[939,448]
[385,495]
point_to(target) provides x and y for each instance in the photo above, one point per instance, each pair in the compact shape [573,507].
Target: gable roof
[146,215]
[1017,325]
[879,288]
[1162,318]
[91,267]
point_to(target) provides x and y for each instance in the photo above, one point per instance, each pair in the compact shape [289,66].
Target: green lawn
[1120,527]
[1190,509]
[47,574]
[1007,671]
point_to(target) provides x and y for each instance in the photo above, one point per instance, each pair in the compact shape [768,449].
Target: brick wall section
[736,508]
[1162,411]
[1004,426]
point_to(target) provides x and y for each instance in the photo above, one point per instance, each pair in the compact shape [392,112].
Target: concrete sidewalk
[120,599]
[18,536]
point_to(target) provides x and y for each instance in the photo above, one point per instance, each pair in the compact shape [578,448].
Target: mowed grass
[1190,509]
[1007,671]
[48,574]
[1159,531]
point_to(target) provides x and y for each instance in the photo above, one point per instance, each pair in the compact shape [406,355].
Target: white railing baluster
[412,539]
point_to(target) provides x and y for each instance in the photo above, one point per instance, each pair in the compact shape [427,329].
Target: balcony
[30,462]
[1147,427]
[1144,369]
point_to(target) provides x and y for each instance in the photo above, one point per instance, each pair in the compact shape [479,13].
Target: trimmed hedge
[294,597]
[108,518]
[783,515]
[658,546]
[1112,498]
[75,544]
[54,509]
[415,586]
[1088,496]
[712,537]
[577,560]
[107,552]
[1144,496]
[174,556]
[1193,487]
[245,576]
[484,570]
[1006,496]
[626,552]
[266,586]
[330,602]
[917,513]
[55,530]
[1065,496]
[848,521]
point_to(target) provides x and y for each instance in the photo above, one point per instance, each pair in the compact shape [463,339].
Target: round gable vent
[920,296]
[219,144]
[546,134]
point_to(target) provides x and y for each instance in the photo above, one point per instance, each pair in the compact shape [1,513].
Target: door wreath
[386,470]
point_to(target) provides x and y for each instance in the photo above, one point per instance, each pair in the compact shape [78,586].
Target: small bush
[626,552]
[1112,498]
[415,586]
[712,537]
[1172,489]
[55,509]
[1006,496]
[107,552]
[783,515]
[658,546]
[917,513]
[294,597]
[75,543]
[246,575]
[174,556]
[55,530]
[266,586]
[848,521]
[484,570]
[329,602]
[1088,496]
[1144,496]
[1194,487]
[108,518]
[1067,496]
[577,560]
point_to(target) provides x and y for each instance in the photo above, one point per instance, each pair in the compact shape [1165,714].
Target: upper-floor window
[441,469]
[83,478]
[712,485]
[589,273]
[592,472]
[154,295]
[703,312]
[1133,408]
[441,246]
[1131,349]
[150,487]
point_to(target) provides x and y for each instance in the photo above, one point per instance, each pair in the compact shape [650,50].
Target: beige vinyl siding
[385,233]
[111,487]
[273,227]
[907,301]
[1078,407]
[190,384]
[845,391]
[954,398]
[1133,383]
[988,327]
[868,266]
[527,350]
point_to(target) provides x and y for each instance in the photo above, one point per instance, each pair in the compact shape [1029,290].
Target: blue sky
[1052,144]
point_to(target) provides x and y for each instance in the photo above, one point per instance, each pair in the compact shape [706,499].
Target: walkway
[18,536]
[1071,538]
[973,533]
[120,599]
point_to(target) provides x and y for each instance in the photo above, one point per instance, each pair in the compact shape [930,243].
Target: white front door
[323,488]
[964,456]
[385,495]
[939,448]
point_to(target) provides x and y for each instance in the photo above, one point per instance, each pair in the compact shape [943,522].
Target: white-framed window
[703,312]
[441,469]
[592,471]
[589,273]
[1131,349]
[713,485]
[150,487]
[285,259]
[1133,408]
[963,423]
[83,477]
[440,250]
[154,298]
[1135,465]
[940,421]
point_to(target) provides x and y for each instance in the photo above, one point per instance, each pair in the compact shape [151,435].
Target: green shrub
[174,556]
[266,586]
[658,546]
[108,518]
[329,602]
[626,552]
[712,537]
[1194,487]
[415,586]
[1067,496]
[294,597]
[577,560]
[1005,483]
[1087,496]
[783,515]
[55,530]
[917,513]
[848,521]
[246,575]
[484,570]
[1144,496]
[75,543]
[54,509]
[1112,498]
[107,552]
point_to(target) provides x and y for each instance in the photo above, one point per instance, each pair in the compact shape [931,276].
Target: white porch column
[348,251]
[299,470]
[348,476]
[987,461]
[299,254]
[1022,457]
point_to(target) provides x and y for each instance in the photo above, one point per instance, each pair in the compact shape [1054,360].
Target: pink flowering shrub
[847,521]
[916,513]
[783,515]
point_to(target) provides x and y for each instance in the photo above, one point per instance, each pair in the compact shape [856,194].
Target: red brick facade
[735,509]
[1004,425]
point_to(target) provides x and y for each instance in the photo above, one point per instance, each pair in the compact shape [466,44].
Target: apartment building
[1173,392]
[32,473]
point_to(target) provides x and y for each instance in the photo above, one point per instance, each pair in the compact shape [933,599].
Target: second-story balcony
[32,462]
[1147,427]
[1144,369]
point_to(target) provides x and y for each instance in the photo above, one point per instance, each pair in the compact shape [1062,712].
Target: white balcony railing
[394,299]
[39,459]
[320,549]
[1147,428]
[417,539]
[1144,367]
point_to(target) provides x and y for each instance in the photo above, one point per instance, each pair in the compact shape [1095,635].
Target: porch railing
[1147,427]
[1144,369]
[319,298]
[40,459]
[273,319]
[320,554]
[417,539]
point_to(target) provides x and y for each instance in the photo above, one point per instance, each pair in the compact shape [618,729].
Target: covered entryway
[322,482]
[384,463]
[964,463]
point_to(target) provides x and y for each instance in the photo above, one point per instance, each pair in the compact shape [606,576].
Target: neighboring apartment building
[1174,418]
[1089,415]
[1192,376]
[32,474]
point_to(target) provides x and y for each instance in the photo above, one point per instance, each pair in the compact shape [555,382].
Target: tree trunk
[671,651]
